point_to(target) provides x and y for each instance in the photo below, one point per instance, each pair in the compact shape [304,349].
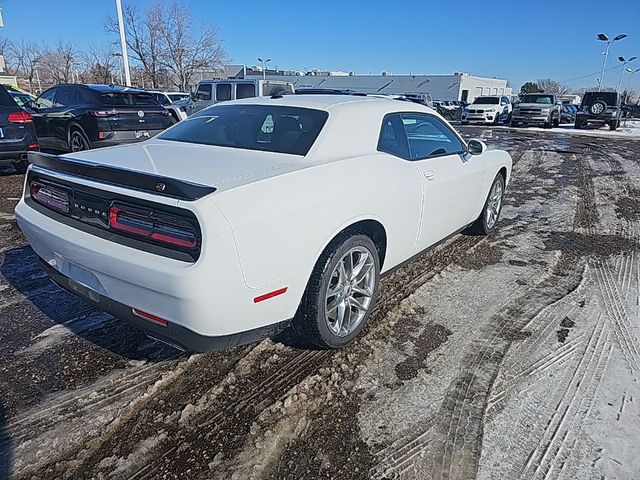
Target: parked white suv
[488,109]
[210,92]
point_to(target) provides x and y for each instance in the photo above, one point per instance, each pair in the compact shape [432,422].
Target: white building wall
[477,86]
[440,87]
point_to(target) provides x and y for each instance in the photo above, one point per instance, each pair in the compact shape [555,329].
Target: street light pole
[264,66]
[123,43]
[604,38]
[624,68]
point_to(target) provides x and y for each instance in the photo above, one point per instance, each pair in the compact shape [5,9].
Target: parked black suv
[74,117]
[17,135]
[599,108]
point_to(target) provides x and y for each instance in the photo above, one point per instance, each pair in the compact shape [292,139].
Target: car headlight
[545,110]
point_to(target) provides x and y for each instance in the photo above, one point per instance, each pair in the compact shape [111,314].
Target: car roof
[323,102]
[108,88]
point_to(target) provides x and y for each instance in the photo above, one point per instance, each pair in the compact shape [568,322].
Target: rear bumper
[599,120]
[9,157]
[207,303]
[172,334]
[125,136]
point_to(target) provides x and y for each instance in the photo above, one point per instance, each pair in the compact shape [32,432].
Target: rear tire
[339,299]
[488,218]
[578,125]
[614,124]
[78,141]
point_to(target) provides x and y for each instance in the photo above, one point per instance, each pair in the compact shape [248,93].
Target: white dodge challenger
[259,213]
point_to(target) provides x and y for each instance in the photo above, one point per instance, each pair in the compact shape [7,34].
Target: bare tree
[22,60]
[187,49]
[143,37]
[165,42]
[551,86]
[100,64]
[59,64]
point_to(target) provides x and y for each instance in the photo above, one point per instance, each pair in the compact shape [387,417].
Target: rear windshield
[610,98]
[486,101]
[534,98]
[127,98]
[252,127]
[270,88]
[178,96]
[6,100]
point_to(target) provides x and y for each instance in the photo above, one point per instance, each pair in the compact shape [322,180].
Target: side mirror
[476,147]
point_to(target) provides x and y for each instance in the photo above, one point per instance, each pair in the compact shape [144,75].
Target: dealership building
[459,86]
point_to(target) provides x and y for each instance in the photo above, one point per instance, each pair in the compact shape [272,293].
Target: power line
[591,74]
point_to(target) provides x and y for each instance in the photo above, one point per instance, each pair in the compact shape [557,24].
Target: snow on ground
[628,129]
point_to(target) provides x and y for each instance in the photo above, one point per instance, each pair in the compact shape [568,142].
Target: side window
[46,99]
[245,90]
[67,97]
[204,92]
[429,137]
[223,92]
[392,139]
[161,99]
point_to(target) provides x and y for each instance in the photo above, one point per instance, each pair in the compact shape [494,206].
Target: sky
[514,40]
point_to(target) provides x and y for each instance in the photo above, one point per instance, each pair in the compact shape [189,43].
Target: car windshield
[127,98]
[534,98]
[6,100]
[267,128]
[486,101]
[22,99]
[178,96]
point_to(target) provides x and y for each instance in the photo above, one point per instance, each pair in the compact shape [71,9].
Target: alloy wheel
[350,291]
[494,203]
[77,142]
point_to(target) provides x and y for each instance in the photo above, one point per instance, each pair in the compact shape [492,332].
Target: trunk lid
[202,164]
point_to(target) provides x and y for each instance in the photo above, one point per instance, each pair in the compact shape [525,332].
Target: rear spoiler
[144,182]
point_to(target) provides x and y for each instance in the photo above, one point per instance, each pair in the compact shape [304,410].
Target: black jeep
[599,108]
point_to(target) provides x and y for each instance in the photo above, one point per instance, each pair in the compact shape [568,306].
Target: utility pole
[123,43]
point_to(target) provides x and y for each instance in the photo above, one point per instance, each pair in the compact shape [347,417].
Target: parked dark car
[599,108]
[568,114]
[74,117]
[17,135]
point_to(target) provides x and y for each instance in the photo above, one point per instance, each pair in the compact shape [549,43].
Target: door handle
[429,175]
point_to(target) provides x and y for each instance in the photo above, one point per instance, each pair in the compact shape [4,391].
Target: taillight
[20,117]
[103,113]
[152,225]
[50,197]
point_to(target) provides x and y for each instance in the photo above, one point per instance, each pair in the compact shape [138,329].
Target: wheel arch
[371,227]
[73,125]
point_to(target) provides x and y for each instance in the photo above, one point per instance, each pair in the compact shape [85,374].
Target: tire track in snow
[614,306]
[572,408]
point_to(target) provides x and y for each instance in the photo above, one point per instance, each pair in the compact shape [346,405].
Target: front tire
[488,219]
[341,292]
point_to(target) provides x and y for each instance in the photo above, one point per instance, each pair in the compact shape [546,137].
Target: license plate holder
[142,133]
